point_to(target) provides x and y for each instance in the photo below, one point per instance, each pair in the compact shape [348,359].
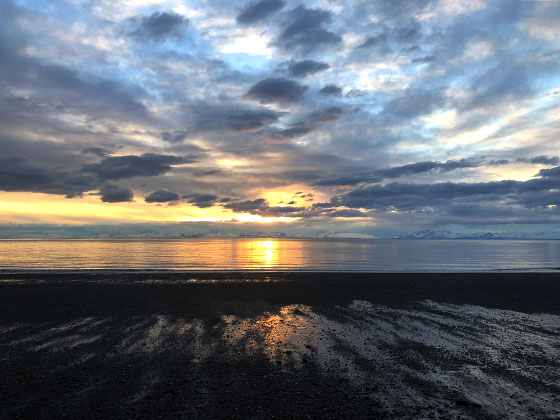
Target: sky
[371,117]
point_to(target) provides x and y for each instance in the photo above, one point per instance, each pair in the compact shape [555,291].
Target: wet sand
[280,345]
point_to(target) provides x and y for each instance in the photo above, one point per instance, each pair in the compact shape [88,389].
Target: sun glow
[247,217]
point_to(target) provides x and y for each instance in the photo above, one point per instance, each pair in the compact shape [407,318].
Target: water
[386,255]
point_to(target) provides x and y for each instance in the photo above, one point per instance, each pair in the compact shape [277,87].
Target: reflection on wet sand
[482,356]
[429,360]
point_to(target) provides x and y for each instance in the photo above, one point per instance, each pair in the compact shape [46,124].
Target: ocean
[384,255]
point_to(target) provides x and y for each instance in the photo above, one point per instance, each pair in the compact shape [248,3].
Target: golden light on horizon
[18,207]
[248,217]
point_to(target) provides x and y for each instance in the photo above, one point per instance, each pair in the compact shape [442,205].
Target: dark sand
[286,346]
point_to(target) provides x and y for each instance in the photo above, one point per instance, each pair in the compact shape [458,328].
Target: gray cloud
[261,207]
[17,174]
[111,193]
[60,89]
[148,164]
[98,151]
[539,192]
[160,25]
[240,119]
[375,41]
[405,170]
[553,172]
[202,200]
[259,10]
[543,160]
[311,122]
[304,30]
[306,67]
[278,90]
[248,205]
[161,196]
[331,90]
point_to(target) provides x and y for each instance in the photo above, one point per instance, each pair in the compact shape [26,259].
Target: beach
[261,345]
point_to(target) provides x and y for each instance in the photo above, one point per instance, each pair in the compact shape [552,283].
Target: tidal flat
[256,345]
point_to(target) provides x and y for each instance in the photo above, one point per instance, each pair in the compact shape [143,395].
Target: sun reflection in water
[262,254]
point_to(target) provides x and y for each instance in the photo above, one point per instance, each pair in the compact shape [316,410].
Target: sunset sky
[369,116]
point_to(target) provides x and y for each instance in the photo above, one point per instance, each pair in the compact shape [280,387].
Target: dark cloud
[539,192]
[18,174]
[174,137]
[311,122]
[278,90]
[148,164]
[279,211]
[403,170]
[248,205]
[306,67]
[379,40]
[160,25]
[304,30]
[421,167]
[260,10]
[111,193]
[59,89]
[347,213]
[261,207]
[543,160]
[161,196]
[240,119]
[553,172]
[202,200]
[408,32]
[98,151]
[331,90]
[414,102]
[424,59]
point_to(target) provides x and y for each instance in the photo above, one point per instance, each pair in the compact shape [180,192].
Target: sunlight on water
[280,254]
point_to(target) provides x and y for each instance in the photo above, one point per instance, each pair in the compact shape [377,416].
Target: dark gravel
[279,345]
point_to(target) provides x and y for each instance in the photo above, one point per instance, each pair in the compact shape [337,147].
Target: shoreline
[291,345]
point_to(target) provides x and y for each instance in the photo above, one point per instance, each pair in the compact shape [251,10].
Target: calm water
[280,254]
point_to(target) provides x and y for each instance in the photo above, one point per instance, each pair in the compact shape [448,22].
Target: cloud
[148,164]
[311,122]
[406,170]
[304,30]
[247,206]
[17,174]
[98,151]
[543,160]
[539,192]
[422,167]
[239,119]
[376,41]
[203,200]
[160,25]
[55,89]
[277,90]
[331,90]
[111,193]
[306,67]
[161,196]
[261,207]
[414,102]
[259,10]
[279,211]
[553,172]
